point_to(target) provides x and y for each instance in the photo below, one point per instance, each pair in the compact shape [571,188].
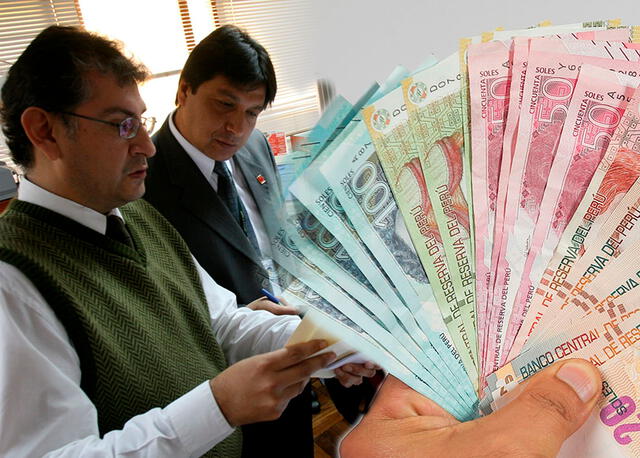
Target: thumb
[551,406]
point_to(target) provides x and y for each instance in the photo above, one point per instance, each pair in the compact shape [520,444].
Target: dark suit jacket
[177,188]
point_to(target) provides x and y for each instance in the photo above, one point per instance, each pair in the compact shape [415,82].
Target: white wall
[360,41]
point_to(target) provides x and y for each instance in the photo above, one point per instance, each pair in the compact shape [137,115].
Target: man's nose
[235,122]
[142,144]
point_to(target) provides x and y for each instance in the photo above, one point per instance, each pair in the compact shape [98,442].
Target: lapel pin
[261,179]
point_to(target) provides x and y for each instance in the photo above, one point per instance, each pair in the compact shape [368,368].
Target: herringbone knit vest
[138,318]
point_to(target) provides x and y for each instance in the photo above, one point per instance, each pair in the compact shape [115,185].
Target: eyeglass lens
[129,127]
[149,123]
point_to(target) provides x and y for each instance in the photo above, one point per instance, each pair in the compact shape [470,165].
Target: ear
[38,124]
[183,89]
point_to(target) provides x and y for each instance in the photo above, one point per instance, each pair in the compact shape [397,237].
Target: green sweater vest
[138,319]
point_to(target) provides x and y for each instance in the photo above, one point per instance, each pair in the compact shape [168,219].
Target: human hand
[259,388]
[550,407]
[283,308]
[351,374]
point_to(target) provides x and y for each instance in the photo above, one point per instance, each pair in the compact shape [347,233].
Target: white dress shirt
[43,410]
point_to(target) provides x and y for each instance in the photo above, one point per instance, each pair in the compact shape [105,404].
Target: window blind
[284,28]
[20,22]
[187,27]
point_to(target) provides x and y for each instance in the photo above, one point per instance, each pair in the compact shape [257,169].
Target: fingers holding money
[550,407]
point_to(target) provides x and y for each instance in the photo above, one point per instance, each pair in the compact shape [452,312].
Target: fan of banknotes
[469,223]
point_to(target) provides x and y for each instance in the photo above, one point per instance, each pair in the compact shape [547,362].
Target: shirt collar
[204,162]
[34,194]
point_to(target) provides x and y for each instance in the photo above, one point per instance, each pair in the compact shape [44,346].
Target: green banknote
[364,195]
[465,101]
[388,124]
[434,106]
[312,190]
[287,255]
[383,357]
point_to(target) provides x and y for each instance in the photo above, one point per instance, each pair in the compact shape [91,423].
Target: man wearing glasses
[113,339]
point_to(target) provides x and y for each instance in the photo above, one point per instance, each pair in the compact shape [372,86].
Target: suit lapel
[198,197]
[266,194]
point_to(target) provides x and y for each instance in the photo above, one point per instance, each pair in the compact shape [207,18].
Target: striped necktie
[229,195]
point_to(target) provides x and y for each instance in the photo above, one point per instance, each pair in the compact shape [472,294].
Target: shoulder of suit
[256,149]
[161,134]
[257,140]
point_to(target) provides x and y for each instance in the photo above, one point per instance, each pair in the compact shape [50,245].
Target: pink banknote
[548,90]
[616,173]
[599,101]
[488,69]
[621,175]
[518,56]
[519,59]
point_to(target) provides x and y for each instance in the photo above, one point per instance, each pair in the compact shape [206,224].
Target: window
[161,33]
[153,32]
[284,28]
[20,22]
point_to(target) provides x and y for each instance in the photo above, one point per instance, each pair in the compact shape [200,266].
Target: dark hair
[51,74]
[231,52]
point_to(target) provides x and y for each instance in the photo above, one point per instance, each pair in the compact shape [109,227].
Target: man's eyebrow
[232,96]
[120,110]
[227,93]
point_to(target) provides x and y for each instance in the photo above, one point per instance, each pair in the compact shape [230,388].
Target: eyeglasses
[127,128]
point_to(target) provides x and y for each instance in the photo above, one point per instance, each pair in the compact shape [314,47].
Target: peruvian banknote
[289,257]
[388,124]
[599,291]
[611,341]
[518,60]
[325,224]
[618,234]
[548,90]
[519,55]
[359,184]
[434,107]
[615,174]
[488,69]
[599,101]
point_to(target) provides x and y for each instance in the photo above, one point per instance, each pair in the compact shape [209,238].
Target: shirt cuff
[286,335]
[198,420]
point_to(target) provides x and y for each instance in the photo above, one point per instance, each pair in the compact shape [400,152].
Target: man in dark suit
[226,83]
[185,196]
[214,178]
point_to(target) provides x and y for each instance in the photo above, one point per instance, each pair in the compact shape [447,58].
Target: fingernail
[368,365]
[323,344]
[580,378]
[329,357]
